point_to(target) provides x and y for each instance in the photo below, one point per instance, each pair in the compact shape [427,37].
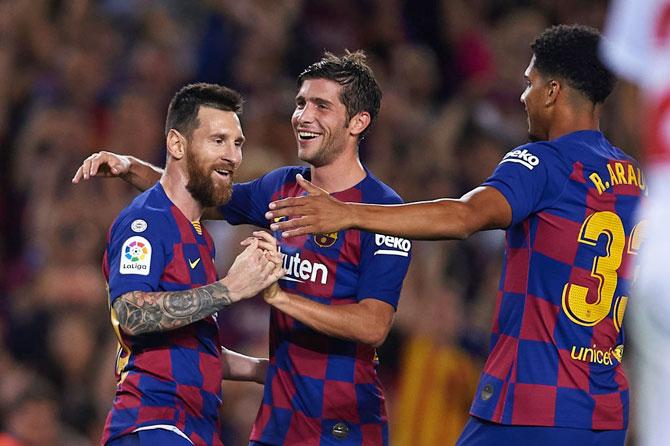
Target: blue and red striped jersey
[169,379]
[557,338]
[320,389]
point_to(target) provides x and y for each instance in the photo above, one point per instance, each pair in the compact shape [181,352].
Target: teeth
[221,171]
[307,134]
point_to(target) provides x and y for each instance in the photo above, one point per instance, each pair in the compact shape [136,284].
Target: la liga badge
[135,256]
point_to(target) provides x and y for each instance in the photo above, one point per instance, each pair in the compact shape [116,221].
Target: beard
[324,155]
[327,152]
[202,187]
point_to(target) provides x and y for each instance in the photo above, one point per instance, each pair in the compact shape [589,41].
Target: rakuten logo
[398,246]
[523,157]
[300,270]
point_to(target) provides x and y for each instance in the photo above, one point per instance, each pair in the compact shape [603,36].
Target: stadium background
[77,75]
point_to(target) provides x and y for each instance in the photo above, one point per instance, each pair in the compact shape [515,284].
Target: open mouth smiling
[306,136]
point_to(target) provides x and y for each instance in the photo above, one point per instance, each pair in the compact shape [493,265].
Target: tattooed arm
[141,312]
[257,267]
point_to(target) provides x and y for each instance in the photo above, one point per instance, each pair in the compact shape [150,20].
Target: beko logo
[523,157]
[398,246]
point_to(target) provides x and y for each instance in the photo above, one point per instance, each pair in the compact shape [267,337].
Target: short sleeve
[524,178]
[136,253]
[247,205]
[383,266]
[249,201]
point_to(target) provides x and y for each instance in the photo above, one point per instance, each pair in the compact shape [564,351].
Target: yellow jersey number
[604,269]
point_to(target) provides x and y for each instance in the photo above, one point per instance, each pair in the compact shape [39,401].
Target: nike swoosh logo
[193,264]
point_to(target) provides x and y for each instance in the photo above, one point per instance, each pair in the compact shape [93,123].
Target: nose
[232,154]
[304,115]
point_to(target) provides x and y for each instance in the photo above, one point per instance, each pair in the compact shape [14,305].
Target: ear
[359,122]
[176,144]
[552,92]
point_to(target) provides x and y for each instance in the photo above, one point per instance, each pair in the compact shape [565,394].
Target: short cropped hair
[360,90]
[183,110]
[570,52]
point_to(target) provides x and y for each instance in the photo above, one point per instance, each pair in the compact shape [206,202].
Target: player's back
[557,340]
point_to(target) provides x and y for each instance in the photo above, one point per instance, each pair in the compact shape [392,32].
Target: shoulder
[376,191]
[146,214]
[273,180]
[534,154]
[285,174]
[621,155]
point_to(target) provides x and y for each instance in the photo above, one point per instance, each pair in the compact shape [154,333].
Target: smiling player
[163,287]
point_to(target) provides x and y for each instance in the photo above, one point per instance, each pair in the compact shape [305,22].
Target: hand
[316,213]
[272,294]
[265,240]
[103,164]
[268,244]
[255,268]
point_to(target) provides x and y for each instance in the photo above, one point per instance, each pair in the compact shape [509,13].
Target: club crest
[325,240]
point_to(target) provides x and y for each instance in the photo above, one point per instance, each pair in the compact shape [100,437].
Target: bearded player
[163,287]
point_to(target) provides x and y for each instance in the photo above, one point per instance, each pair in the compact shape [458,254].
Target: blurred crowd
[79,75]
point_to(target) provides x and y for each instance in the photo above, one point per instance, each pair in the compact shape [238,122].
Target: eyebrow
[322,101]
[226,135]
[317,100]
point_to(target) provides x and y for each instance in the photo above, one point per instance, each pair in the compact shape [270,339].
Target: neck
[174,183]
[568,120]
[343,173]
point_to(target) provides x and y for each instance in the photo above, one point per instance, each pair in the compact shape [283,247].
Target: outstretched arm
[480,209]
[140,174]
[256,268]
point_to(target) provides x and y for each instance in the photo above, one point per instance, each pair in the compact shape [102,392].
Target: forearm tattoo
[147,312]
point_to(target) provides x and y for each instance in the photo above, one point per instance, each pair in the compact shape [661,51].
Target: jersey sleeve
[137,253]
[528,177]
[383,266]
[250,200]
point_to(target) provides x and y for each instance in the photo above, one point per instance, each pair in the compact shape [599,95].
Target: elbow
[128,329]
[121,318]
[456,229]
[378,341]
[462,223]
[376,336]
[461,234]
[375,323]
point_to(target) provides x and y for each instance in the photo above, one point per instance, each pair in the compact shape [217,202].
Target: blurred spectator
[33,419]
